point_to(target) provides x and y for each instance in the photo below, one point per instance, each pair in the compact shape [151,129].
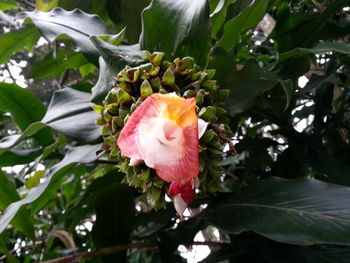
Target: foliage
[283,188]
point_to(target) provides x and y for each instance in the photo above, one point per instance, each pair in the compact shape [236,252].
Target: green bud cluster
[186,79]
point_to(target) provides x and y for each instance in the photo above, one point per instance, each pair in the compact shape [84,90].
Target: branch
[116,249]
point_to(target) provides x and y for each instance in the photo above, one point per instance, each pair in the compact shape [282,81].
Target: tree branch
[116,249]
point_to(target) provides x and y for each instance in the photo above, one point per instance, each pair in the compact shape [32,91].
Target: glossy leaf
[218,17]
[73,24]
[8,194]
[247,86]
[80,154]
[105,81]
[289,211]
[119,56]
[248,18]
[173,28]
[51,66]
[14,41]
[24,108]
[127,12]
[69,106]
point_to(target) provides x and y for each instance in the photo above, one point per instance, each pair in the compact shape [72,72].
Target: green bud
[123,96]
[98,108]
[210,73]
[207,136]
[107,116]
[197,84]
[223,94]
[106,129]
[123,111]
[117,121]
[111,97]
[199,99]
[185,65]
[156,58]
[168,78]
[208,114]
[189,94]
[156,84]
[100,121]
[146,89]
[209,84]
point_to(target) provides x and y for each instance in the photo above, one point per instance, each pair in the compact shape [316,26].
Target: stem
[222,134]
[116,249]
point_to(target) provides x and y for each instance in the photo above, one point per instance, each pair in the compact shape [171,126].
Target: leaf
[249,17]
[52,67]
[25,109]
[127,12]
[76,24]
[5,5]
[8,194]
[14,157]
[247,86]
[119,56]
[115,209]
[8,142]
[4,250]
[46,5]
[288,88]
[179,29]
[218,17]
[80,154]
[105,81]
[289,211]
[70,113]
[320,48]
[14,41]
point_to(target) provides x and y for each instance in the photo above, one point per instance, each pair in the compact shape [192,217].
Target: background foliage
[284,195]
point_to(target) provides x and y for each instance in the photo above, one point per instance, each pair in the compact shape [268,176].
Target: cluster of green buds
[186,79]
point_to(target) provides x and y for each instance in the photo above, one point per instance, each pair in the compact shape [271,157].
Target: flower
[163,132]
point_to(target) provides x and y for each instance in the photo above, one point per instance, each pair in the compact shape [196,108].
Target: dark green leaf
[247,86]
[8,194]
[76,24]
[24,107]
[14,41]
[179,29]
[248,18]
[51,67]
[80,154]
[218,17]
[290,211]
[119,56]
[70,113]
[127,12]
[115,209]
[105,81]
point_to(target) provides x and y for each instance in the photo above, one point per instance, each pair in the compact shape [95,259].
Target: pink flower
[163,132]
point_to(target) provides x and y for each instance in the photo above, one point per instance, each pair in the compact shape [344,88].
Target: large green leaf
[178,28]
[299,211]
[218,16]
[76,24]
[24,107]
[248,18]
[14,41]
[105,83]
[8,4]
[8,195]
[119,56]
[247,85]
[127,12]
[115,209]
[80,154]
[55,63]
[70,113]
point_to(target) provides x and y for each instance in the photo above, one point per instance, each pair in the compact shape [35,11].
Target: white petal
[179,204]
[134,162]
[202,127]
[153,144]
